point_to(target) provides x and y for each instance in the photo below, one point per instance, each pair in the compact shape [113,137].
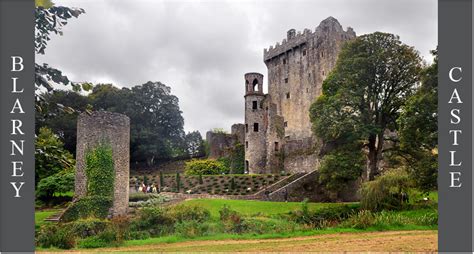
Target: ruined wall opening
[254,105]
[246,85]
[246,128]
[277,147]
[255,127]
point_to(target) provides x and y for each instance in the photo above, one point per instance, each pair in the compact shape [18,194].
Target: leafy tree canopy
[362,96]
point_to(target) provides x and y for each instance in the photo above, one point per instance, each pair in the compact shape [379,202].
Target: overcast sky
[201,49]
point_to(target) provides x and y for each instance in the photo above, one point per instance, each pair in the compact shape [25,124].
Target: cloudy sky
[201,49]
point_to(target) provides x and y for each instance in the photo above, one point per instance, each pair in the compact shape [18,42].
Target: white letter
[17,189]
[455,179]
[19,62]
[453,164]
[15,145]
[14,86]
[455,95]
[451,74]
[17,105]
[16,125]
[455,143]
[16,169]
[455,116]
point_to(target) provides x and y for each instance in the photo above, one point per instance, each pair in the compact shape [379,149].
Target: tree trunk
[375,152]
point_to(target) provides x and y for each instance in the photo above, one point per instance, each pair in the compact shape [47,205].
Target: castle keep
[278,134]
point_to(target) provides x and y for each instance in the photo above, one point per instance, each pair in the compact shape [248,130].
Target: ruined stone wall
[297,68]
[113,128]
[274,140]
[238,130]
[220,144]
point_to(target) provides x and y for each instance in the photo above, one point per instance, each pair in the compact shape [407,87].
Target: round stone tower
[255,124]
[114,128]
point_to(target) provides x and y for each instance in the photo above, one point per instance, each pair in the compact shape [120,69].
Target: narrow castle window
[277,148]
[246,167]
[286,80]
[304,52]
[246,144]
[254,104]
[284,61]
[285,124]
[246,85]
[322,54]
[287,95]
[323,73]
[255,127]
[246,128]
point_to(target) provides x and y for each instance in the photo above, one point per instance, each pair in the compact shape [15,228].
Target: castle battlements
[297,39]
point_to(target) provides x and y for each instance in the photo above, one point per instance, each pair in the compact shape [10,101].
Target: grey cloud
[202,49]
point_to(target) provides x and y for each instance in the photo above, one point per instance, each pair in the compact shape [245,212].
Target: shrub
[182,213]
[388,191]
[191,229]
[106,238]
[205,167]
[88,227]
[361,220]
[60,182]
[232,220]
[154,220]
[88,206]
[56,235]
[140,196]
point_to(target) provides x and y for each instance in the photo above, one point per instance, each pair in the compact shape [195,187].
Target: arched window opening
[255,85]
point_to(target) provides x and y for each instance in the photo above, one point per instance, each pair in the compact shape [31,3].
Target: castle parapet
[293,40]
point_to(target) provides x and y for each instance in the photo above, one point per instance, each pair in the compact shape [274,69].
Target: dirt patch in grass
[392,241]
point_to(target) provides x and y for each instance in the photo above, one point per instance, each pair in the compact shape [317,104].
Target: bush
[60,182]
[182,213]
[361,220]
[388,191]
[107,238]
[93,206]
[153,220]
[232,220]
[191,229]
[140,196]
[56,235]
[324,217]
[205,167]
[88,227]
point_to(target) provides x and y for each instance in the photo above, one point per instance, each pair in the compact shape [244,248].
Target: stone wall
[220,144]
[297,68]
[113,128]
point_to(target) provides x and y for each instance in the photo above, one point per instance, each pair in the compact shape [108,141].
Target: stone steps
[278,195]
[277,185]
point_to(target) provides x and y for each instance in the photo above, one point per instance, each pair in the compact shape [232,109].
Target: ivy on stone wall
[100,173]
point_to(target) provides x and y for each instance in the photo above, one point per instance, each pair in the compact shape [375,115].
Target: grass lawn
[253,207]
[40,216]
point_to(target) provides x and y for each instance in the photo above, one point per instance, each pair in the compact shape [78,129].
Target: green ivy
[100,171]
[100,174]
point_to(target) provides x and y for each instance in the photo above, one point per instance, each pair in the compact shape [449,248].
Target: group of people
[146,188]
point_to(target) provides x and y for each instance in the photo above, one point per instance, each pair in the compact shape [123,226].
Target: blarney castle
[277,129]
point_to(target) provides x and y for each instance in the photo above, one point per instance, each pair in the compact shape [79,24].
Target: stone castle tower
[278,134]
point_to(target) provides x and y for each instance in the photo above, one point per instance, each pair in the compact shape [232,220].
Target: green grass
[40,216]
[253,207]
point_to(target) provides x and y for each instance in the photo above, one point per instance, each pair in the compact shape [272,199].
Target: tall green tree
[157,131]
[194,144]
[50,155]
[418,130]
[62,122]
[363,95]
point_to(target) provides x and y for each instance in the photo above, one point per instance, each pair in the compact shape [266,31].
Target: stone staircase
[282,193]
[277,185]
[56,217]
